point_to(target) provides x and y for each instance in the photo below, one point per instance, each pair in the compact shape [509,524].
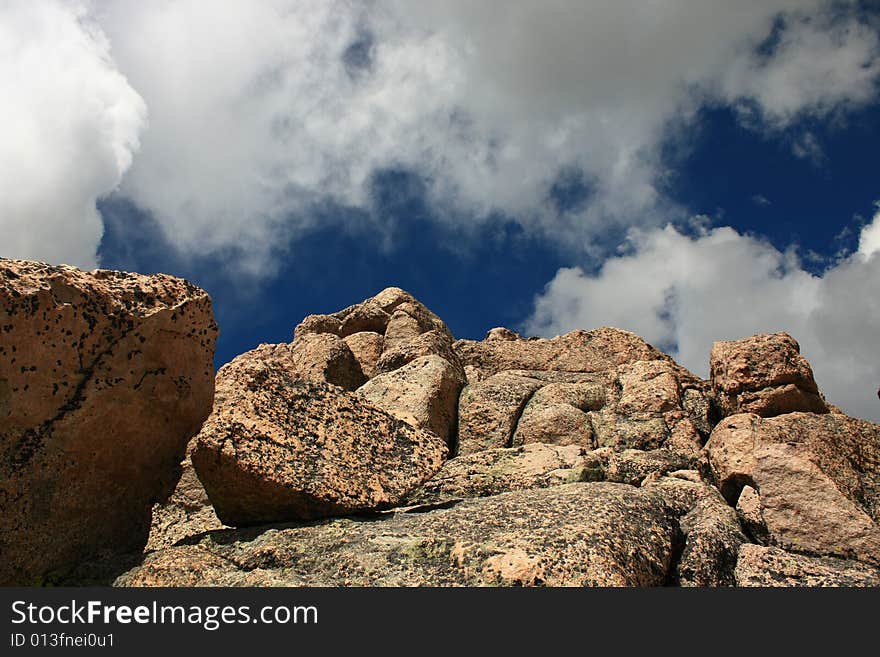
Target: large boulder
[423,393]
[769,566]
[410,318]
[489,411]
[571,535]
[765,375]
[104,377]
[326,358]
[579,351]
[812,481]
[277,448]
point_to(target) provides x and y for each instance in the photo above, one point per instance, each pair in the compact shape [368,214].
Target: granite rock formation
[374,449]
[104,377]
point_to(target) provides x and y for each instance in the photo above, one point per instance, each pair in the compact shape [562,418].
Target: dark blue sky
[720,171]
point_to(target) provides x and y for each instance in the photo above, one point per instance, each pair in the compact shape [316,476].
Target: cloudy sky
[691,170]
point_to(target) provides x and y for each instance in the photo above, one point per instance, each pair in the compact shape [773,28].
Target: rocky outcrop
[322,357]
[279,448]
[765,375]
[768,566]
[423,393]
[376,450]
[579,351]
[572,535]
[814,480]
[104,377]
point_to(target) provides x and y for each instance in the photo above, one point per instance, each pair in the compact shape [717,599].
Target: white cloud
[256,112]
[683,293]
[869,239]
[69,124]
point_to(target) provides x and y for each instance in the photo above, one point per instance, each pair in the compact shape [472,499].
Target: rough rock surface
[494,471]
[571,535]
[557,413]
[367,348]
[489,410]
[423,393]
[322,357]
[187,511]
[104,377]
[765,375]
[578,351]
[817,477]
[375,315]
[769,566]
[278,448]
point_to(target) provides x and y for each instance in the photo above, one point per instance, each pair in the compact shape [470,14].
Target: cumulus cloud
[259,110]
[69,125]
[683,292]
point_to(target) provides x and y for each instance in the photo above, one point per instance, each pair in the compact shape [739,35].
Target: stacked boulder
[374,449]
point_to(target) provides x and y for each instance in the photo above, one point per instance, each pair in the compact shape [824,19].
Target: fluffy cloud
[69,124]
[260,110]
[683,292]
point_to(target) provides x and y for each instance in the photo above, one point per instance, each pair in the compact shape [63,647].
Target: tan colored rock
[770,566]
[765,375]
[750,513]
[817,476]
[423,393]
[104,377]
[557,414]
[325,358]
[578,351]
[402,328]
[504,334]
[648,387]
[596,534]
[367,349]
[430,343]
[633,466]
[317,324]
[367,316]
[186,513]
[488,411]
[555,424]
[278,448]
[495,471]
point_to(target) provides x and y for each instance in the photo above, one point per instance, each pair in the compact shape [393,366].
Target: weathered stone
[817,476]
[278,448]
[104,377]
[555,424]
[596,534]
[402,328]
[557,414]
[367,316]
[647,387]
[501,333]
[430,343]
[367,349]
[751,515]
[324,358]
[494,471]
[488,411]
[186,513]
[317,324]
[632,466]
[578,351]
[765,375]
[423,393]
[770,566]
